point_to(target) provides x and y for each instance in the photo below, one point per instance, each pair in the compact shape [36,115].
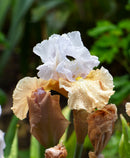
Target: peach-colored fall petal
[90,93]
[23,90]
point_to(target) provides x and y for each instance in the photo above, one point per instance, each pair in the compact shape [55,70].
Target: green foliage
[124,146]
[4,6]
[128,6]
[3,97]
[87,143]
[10,136]
[66,112]
[14,147]
[58,14]
[19,10]
[111,150]
[41,10]
[101,27]
[122,89]
[112,42]
[70,145]
[23,153]
[2,38]
[34,148]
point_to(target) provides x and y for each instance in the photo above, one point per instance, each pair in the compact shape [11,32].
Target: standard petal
[45,50]
[65,69]
[75,38]
[47,71]
[55,53]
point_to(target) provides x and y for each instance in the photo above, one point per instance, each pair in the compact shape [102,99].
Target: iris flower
[67,68]
[64,56]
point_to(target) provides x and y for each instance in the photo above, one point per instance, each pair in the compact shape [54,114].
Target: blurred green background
[105,31]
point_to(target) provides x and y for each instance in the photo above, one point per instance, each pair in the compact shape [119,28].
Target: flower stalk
[78,150]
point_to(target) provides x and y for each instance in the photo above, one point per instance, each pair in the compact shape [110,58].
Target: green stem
[78,150]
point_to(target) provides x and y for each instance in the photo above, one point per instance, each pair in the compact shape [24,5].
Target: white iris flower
[64,56]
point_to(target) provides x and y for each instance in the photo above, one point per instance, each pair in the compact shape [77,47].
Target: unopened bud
[92,155]
[58,151]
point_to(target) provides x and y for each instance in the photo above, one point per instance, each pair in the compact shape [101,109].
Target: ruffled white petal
[54,54]
[75,38]
[90,93]
[49,70]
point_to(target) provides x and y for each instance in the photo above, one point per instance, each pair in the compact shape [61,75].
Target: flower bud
[100,127]
[58,151]
[92,155]
[46,119]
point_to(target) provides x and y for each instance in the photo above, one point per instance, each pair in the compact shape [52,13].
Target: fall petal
[25,87]
[102,75]
[46,120]
[23,90]
[90,93]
